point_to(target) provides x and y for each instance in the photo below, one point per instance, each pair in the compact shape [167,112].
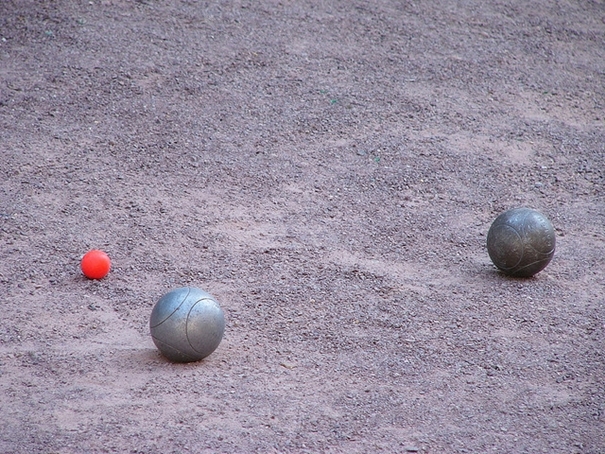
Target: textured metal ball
[187,324]
[521,242]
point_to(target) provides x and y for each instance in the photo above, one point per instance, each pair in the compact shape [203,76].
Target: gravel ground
[329,172]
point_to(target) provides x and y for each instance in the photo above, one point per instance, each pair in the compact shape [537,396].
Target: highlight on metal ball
[187,324]
[521,242]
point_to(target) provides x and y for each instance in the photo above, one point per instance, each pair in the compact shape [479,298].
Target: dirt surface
[329,172]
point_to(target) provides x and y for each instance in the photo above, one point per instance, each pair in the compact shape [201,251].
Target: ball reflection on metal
[521,242]
[187,324]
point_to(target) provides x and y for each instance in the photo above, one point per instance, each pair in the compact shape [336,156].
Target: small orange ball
[95,264]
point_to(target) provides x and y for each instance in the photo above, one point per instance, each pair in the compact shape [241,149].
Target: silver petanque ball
[521,242]
[187,324]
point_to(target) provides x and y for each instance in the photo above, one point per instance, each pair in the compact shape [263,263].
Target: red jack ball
[95,264]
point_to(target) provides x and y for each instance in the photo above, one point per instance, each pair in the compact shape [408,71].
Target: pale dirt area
[328,171]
